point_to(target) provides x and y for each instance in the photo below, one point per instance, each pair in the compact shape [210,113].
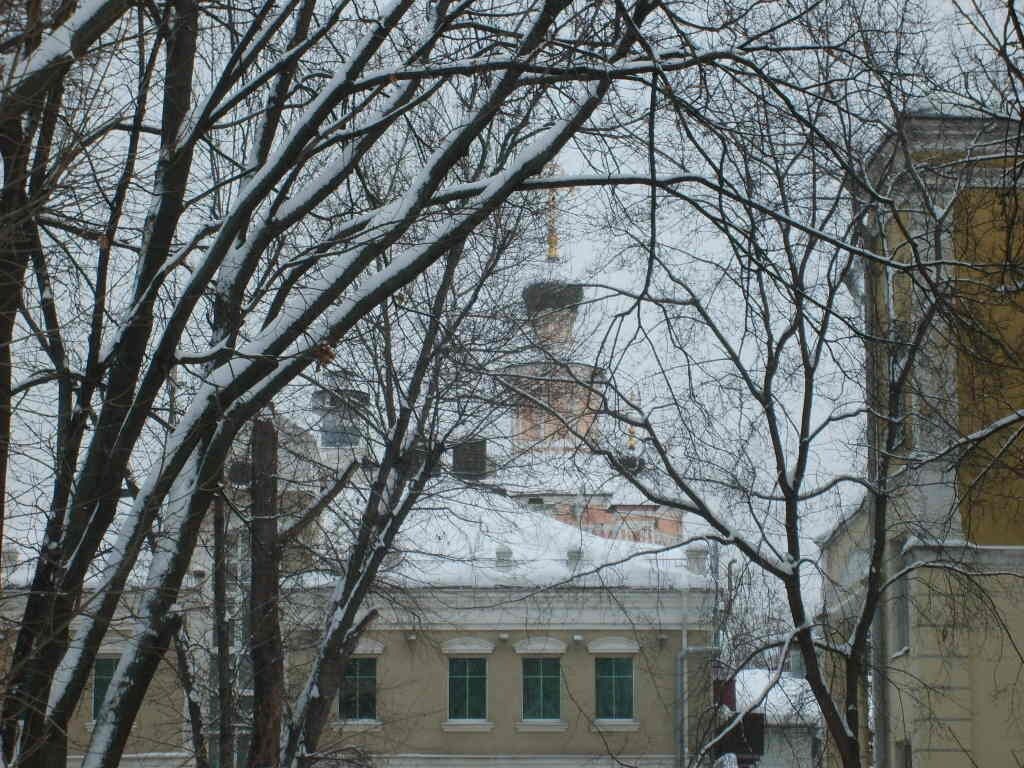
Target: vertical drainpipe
[880,654]
[680,726]
[682,705]
[681,665]
[680,720]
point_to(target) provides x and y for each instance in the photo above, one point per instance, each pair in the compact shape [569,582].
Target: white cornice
[542,611]
[979,558]
[933,134]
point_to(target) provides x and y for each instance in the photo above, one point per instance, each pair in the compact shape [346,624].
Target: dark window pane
[541,689]
[552,703]
[103,673]
[457,696]
[605,702]
[614,687]
[624,697]
[477,699]
[531,698]
[358,697]
[242,748]
[367,703]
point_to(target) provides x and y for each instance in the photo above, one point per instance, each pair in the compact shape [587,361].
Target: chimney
[503,557]
[573,558]
[469,459]
[9,557]
[240,472]
[697,558]
[796,663]
[414,459]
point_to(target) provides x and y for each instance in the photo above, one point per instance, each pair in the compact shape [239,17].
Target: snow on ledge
[367,646]
[471,645]
[549,645]
[613,645]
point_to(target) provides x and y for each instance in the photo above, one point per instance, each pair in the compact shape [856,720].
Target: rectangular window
[102,674]
[467,689]
[358,697]
[542,688]
[242,741]
[615,688]
[902,638]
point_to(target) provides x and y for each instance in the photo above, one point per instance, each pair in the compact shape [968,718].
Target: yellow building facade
[945,318]
[504,637]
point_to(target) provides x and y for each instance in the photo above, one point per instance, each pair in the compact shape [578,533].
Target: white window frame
[366,648]
[463,648]
[616,646]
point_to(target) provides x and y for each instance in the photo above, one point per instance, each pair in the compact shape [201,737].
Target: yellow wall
[956,695]
[989,244]
[412,684]
[160,726]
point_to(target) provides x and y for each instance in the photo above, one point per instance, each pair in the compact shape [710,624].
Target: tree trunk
[195,710]
[264,629]
[225,697]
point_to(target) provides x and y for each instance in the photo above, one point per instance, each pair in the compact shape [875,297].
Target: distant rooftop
[786,701]
[474,538]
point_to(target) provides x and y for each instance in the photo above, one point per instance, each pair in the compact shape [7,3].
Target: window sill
[542,726]
[467,726]
[357,726]
[614,726]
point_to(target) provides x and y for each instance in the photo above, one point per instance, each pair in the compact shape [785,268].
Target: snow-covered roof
[944,106]
[784,701]
[469,537]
